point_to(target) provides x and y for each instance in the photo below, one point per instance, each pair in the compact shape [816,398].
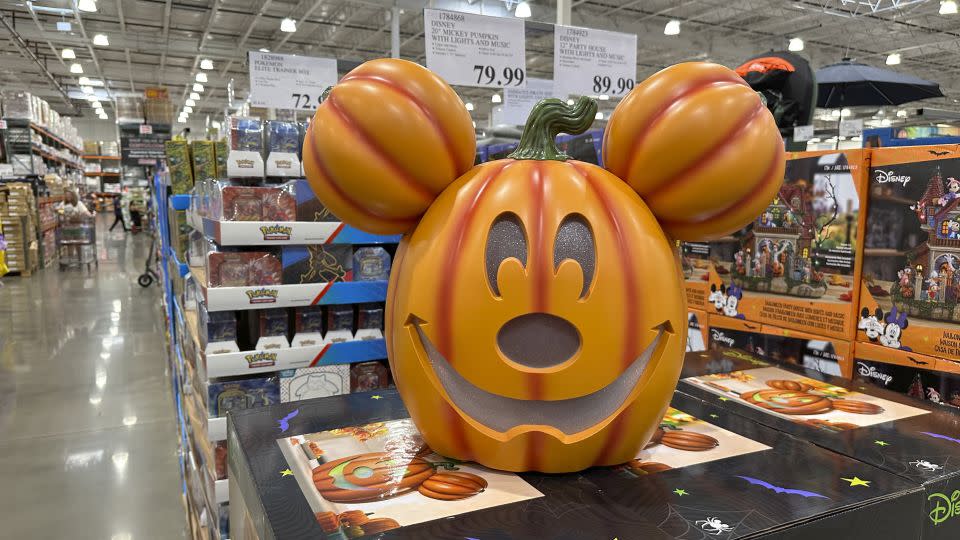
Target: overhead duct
[937,115]
[25,51]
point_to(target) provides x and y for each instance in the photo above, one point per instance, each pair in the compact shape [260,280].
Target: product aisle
[87,426]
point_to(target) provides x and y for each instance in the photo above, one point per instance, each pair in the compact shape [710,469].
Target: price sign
[474,50]
[851,128]
[587,61]
[285,81]
[802,133]
[3,124]
[518,102]
[146,129]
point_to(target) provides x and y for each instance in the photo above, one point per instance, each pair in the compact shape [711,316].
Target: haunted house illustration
[775,251]
[930,285]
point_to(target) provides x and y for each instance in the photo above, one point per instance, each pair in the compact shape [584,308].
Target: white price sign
[802,133]
[851,128]
[285,81]
[475,50]
[587,61]
[518,102]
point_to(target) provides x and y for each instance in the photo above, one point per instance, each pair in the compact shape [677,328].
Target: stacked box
[204,160]
[178,163]
[220,151]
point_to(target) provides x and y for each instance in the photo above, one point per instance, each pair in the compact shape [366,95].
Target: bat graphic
[778,489]
[938,153]
[918,362]
[939,436]
[285,421]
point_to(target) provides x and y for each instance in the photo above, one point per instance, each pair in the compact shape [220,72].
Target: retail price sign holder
[587,61]
[475,50]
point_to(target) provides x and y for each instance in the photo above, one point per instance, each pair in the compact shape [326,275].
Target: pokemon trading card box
[312,469]
[914,440]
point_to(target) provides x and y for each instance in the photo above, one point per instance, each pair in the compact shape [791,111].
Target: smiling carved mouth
[570,416]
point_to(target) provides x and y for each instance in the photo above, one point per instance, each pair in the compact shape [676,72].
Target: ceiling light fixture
[101,40]
[603,97]
[68,54]
[197,87]
[845,112]
[523,10]
[288,25]
[190,103]
[885,122]
[570,102]
[206,63]
[194,95]
[90,6]
[893,59]
[469,106]
[264,49]
[201,77]
[672,28]
[835,113]
[96,104]
[599,115]
[188,109]
[948,7]
[76,68]
[496,99]
[902,113]
[795,45]
[87,89]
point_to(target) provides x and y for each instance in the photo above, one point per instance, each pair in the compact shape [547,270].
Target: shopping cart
[150,274]
[77,241]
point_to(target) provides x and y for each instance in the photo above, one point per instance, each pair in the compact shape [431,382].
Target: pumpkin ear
[388,138]
[701,149]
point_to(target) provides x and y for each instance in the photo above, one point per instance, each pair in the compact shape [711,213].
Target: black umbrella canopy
[850,84]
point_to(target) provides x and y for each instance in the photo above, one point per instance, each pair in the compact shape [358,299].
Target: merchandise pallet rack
[193,369]
[100,176]
[19,140]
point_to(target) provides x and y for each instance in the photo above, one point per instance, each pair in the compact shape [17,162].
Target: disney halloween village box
[797,265]
[355,466]
[910,291]
[916,441]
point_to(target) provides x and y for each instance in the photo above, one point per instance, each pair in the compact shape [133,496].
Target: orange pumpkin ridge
[390,305]
[685,176]
[377,153]
[677,96]
[537,265]
[376,79]
[445,295]
[770,177]
[457,430]
[322,176]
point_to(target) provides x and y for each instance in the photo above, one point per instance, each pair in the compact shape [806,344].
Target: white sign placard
[146,129]
[518,102]
[802,133]
[475,50]
[851,128]
[285,81]
[587,61]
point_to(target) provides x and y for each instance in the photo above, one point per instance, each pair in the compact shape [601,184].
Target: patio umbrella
[849,84]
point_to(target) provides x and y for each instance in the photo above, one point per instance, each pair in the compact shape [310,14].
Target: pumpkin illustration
[452,486]
[788,401]
[379,525]
[696,128]
[353,517]
[640,467]
[783,384]
[535,310]
[856,406]
[370,477]
[395,113]
[688,440]
[328,521]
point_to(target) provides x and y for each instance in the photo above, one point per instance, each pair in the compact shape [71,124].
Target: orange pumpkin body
[690,136]
[369,477]
[447,295]
[394,113]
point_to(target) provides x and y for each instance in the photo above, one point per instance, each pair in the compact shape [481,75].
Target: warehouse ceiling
[162,42]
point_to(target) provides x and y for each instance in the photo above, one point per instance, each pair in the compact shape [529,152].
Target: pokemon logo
[245,163]
[276,232]
[262,296]
[261,359]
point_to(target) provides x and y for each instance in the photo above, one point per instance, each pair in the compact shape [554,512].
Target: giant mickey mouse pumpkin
[536,310]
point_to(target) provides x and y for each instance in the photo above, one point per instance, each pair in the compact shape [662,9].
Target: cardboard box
[798,264]
[910,297]
[755,483]
[179,166]
[317,263]
[783,346]
[203,159]
[916,375]
[911,439]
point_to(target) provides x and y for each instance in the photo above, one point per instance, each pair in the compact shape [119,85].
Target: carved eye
[506,240]
[575,241]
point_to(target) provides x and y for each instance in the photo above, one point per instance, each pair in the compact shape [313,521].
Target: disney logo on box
[870,371]
[887,177]
[947,507]
[717,335]
[276,232]
[262,296]
[261,359]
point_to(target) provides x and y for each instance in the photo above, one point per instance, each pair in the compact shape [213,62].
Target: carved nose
[538,340]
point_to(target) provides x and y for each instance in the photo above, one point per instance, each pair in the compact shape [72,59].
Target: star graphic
[680,492]
[714,416]
[286,472]
[856,481]
[881,443]
[376,396]
[724,399]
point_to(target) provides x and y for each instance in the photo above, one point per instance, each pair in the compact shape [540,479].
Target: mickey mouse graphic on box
[725,300]
[886,331]
[912,250]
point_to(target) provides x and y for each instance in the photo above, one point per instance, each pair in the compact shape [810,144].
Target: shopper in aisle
[72,209]
[118,214]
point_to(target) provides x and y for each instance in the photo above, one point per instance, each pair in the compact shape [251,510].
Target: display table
[916,441]
[706,474]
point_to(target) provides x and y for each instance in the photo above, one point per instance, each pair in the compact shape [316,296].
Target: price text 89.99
[605,85]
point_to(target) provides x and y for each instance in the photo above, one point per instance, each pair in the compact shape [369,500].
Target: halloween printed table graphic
[722,482]
[915,440]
